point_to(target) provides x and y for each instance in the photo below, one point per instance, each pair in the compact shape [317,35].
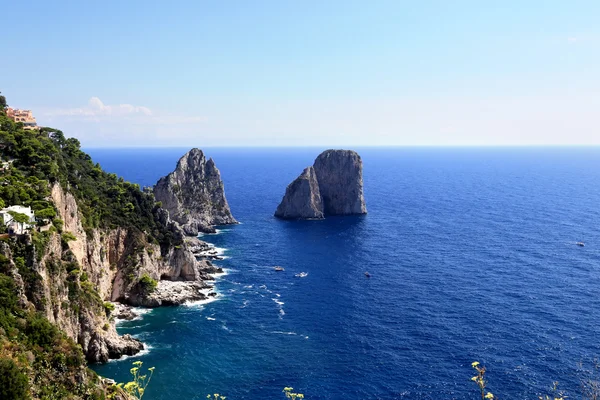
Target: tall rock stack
[332,186]
[194,194]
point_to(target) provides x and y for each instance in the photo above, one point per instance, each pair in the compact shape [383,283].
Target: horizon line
[355,146]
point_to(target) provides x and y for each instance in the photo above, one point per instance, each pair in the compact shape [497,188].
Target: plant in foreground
[216,396]
[137,387]
[479,379]
[291,395]
[557,394]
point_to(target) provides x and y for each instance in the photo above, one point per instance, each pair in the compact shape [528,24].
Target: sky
[307,73]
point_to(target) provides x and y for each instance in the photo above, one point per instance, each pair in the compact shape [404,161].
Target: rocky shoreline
[194,201]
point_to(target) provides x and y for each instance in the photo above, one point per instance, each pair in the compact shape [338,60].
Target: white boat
[301,275]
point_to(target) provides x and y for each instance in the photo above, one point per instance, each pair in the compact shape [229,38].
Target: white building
[13,226]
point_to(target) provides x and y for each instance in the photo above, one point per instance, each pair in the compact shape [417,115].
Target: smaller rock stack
[332,186]
[194,194]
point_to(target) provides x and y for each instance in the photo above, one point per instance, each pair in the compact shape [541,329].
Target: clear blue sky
[323,73]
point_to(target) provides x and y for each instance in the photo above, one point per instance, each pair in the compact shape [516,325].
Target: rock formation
[194,195]
[302,198]
[332,186]
[339,173]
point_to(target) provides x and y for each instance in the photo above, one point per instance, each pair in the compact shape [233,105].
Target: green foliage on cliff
[36,359]
[13,382]
[42,158]
[39,360]
[146,284]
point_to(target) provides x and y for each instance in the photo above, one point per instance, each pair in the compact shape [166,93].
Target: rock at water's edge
[302,198]
[194,194]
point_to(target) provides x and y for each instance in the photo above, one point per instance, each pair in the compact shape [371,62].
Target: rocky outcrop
[332,186]
[194,194]
[302,198]
[169,293]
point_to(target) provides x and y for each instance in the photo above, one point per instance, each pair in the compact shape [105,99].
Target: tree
[3,104]
[13,383]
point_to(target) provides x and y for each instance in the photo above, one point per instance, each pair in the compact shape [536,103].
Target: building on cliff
[24,116]
[15,227]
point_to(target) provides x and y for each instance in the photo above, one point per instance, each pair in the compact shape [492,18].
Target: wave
[201,303]
[211,318]
[278,302]
[284,333]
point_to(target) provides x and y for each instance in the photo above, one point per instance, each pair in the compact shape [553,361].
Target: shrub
[109,307]
[58,224]
[40,331]
[13,383]
[147,284]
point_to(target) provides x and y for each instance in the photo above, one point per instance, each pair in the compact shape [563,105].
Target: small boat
[279,269]
[301,275]
[368,275]
[580,244]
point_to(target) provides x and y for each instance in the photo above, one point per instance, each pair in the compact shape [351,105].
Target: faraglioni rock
[194,194]
[332,186]
[302,198]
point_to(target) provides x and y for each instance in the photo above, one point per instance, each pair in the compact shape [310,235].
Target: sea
[472,255]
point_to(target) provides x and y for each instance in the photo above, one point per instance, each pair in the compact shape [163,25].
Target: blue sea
[472,255]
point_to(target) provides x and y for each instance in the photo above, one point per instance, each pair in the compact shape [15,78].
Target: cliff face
[302,198]
[76,277]
[332,186]
[194,194]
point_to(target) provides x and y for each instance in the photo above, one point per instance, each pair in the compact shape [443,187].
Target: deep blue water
[472,255]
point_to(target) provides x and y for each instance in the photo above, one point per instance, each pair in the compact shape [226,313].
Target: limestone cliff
[332,186]
[302,198]
[76,272]
[194,194]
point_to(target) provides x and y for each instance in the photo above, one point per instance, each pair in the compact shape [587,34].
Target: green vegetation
[146,284]
[289,394]
[14,383]
[137,387]
[37,360]
[479,379]
[45,157]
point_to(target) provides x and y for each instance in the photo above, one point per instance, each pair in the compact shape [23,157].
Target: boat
[279,269]
[580,244]
[301,275]
[368,275]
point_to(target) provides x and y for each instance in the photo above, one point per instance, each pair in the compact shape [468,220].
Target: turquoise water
[472,254]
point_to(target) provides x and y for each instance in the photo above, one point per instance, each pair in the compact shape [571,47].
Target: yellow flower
[489,395]
[474,364]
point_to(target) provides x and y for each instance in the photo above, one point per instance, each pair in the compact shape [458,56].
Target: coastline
[193,294]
